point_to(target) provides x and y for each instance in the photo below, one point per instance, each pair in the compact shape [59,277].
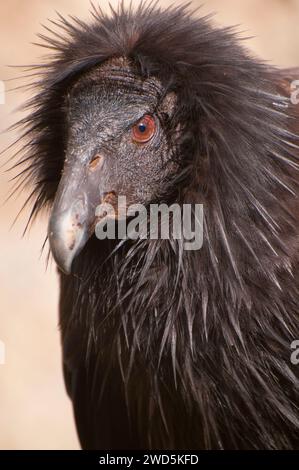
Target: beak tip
[62,256]
[65,268]
[68,229]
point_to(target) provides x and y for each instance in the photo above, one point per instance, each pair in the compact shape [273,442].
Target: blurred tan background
[35,412]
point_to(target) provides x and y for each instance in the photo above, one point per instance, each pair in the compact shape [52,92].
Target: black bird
[163,347]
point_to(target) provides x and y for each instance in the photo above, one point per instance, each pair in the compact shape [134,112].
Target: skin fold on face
[117,145]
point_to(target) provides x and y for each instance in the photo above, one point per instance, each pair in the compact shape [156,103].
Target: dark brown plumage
[166,348]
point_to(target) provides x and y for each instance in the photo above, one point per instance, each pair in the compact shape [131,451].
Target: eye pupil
[142,127]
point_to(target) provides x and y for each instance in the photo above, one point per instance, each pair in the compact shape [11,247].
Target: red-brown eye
[144,129]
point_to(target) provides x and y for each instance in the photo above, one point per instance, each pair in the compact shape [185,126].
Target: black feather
[167,348]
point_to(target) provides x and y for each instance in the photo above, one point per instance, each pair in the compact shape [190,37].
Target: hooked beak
[72,220]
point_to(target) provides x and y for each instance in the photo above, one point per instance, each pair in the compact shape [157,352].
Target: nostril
[96,162]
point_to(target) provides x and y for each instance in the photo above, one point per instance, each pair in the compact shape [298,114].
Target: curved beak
[73,216]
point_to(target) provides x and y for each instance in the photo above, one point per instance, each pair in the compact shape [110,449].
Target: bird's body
[165,348]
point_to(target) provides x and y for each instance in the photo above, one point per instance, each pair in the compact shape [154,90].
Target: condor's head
[157,105]
[118,143]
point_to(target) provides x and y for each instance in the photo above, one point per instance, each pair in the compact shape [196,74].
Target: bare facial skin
[106,155]
[102,109]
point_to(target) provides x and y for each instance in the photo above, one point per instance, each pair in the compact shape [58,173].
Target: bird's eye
[144,129]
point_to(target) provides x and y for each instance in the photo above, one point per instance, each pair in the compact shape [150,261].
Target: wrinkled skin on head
[102,108]
[103,161]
